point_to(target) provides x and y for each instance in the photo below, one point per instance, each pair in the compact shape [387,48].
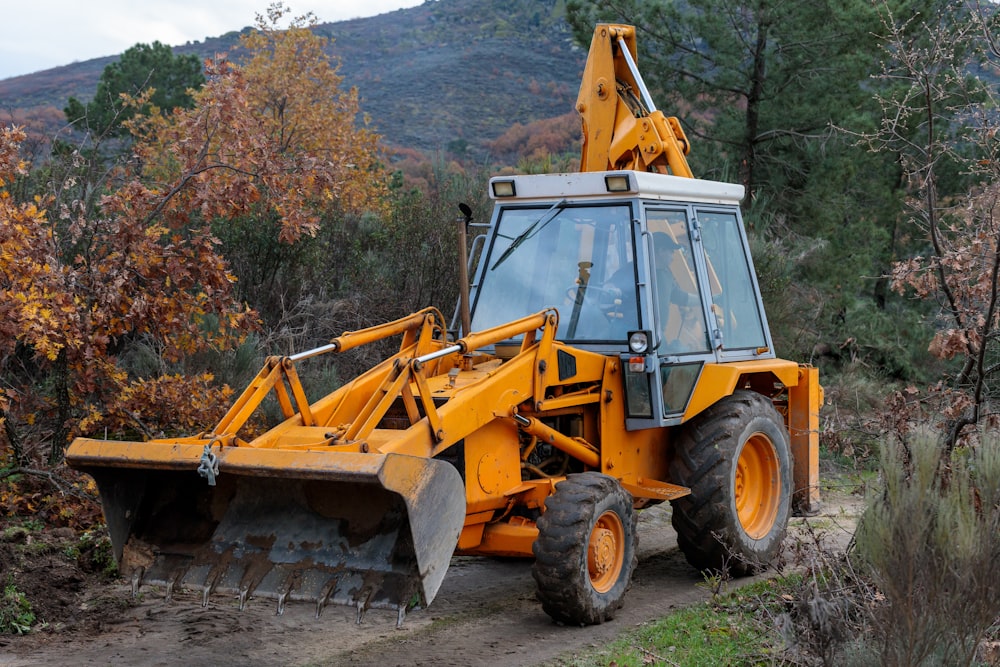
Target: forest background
[812,109]
[189,213]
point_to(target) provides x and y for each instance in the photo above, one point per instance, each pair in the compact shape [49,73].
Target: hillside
[446,70]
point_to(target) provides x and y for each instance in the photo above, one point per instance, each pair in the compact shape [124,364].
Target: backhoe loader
[615,354]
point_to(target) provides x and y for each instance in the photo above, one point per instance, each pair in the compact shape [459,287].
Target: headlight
[638,341]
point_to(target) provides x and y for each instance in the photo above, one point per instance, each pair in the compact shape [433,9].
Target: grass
[17,532]
[736,628]
[93,550]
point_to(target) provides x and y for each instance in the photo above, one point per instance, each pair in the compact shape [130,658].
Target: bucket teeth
[257,571]
[137,580]
[169,592]
[244,593]
[211,581]
[248,583]
[289,584]
[363,601]
[324,597]
[280,610]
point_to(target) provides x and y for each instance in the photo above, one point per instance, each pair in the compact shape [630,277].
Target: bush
[94,553]
[930,541]
[16,615]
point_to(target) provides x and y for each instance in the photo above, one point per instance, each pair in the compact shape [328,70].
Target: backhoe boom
[621,127]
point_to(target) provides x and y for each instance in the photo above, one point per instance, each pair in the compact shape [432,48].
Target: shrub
[16,615]
[930,541]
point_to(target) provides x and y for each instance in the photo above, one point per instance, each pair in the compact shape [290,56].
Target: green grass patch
[734,628]
[18,532]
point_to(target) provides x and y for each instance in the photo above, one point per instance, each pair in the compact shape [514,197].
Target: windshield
[579,259]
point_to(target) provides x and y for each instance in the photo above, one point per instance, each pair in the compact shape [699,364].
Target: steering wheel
[605,297]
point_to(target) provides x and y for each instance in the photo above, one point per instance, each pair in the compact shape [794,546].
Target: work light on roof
[504,189]
[617,183]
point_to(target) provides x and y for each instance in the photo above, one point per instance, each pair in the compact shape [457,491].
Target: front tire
[736,459]
[585,553]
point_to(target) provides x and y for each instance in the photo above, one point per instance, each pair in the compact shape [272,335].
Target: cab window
[577,258]
[682,324]
[735,306]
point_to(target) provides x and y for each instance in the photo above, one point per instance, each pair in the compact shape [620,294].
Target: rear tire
[736,459]
[586,549]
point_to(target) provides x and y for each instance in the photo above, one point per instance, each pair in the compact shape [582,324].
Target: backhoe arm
[621,127]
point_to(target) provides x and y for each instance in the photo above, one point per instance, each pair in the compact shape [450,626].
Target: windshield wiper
[547,217]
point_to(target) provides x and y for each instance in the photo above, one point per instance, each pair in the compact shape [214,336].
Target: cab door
[736,316]
[704,307]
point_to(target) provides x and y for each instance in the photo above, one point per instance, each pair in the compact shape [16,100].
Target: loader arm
[622,129]
[356,498]
[289,514]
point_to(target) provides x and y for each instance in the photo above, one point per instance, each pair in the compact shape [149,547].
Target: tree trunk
[63,410]
[749,162]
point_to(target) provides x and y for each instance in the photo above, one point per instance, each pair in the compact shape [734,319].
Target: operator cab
[649,267]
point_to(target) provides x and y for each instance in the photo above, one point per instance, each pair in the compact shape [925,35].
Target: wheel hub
[602,551]
[606,552]
[756,486]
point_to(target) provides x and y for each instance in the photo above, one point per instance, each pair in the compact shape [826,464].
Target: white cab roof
[594,184]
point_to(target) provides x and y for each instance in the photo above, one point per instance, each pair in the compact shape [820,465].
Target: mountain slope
[446,70]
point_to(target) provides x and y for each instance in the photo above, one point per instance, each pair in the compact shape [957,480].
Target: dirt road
[484,614]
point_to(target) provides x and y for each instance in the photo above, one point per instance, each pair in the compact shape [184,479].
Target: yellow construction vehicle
[615,354]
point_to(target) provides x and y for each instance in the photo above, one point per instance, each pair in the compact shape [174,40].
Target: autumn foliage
[964,268]
[540,139]
[30,298]
[80,286]
[274,135]
[959,266]
[93,271]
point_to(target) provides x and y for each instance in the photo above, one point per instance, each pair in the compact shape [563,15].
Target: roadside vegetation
[155,252]
[917,585]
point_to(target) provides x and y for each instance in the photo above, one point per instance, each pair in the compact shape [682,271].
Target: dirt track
[484,614]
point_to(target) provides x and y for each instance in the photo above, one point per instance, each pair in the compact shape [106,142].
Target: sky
[39,34]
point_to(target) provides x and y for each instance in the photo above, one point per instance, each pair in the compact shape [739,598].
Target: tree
[85,283]
[939,121]
[78,290]
[142,67]
[286,141]
[29,294]
[127,265]
[773,95]
[754,81]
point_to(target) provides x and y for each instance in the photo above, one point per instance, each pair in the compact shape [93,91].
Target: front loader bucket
[366,530]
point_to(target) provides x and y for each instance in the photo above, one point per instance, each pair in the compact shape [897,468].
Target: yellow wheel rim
[606,552]
[757,483]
